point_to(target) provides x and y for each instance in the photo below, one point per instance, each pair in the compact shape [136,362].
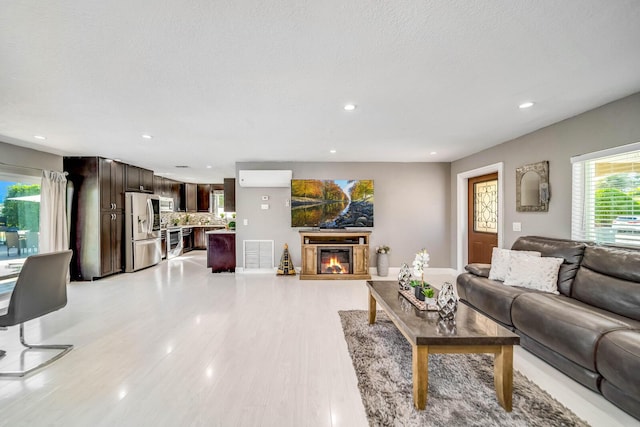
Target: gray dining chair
[41,288]
[13,241]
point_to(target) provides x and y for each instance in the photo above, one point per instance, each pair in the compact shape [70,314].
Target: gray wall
[25,161]
[611,125]
[411,208]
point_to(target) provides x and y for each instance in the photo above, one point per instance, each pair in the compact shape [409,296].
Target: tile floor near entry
[175,345]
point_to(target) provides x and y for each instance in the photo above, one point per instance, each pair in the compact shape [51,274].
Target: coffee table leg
[420,355]
[503,376]
[372,309]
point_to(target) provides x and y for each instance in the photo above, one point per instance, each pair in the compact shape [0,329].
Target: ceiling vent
[265,178]
[182,167]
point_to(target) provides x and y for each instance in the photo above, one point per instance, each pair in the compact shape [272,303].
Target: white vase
[382,264]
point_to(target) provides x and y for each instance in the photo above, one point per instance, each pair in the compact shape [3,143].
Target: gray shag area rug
[461,390]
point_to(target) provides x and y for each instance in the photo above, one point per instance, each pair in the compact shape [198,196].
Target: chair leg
[64,347]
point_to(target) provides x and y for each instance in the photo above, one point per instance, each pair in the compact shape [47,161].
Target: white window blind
[606,196]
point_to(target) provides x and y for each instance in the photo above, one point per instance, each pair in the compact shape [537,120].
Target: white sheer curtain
[53,217]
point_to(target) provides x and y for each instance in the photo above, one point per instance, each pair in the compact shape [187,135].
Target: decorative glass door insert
[485,209]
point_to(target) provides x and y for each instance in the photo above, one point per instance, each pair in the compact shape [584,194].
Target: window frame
[584,217]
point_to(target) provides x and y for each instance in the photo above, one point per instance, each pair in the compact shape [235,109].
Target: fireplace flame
[334,266]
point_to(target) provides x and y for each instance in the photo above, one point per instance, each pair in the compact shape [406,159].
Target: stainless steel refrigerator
[142,231]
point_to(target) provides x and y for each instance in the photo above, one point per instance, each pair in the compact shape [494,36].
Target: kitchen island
[221,250]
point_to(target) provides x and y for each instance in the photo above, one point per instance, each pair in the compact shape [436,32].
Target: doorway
[482,217]
[462,210]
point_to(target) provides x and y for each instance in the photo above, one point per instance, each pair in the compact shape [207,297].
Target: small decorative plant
[428,291]
[384,249]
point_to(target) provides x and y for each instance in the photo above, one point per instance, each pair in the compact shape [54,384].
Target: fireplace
[334,255]
[338,260]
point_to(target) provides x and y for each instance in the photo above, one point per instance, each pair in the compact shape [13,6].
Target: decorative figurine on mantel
[286,265]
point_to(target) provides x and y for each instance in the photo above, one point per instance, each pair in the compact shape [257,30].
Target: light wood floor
[175,345]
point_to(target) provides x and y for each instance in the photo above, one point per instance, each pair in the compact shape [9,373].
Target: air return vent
[258,254]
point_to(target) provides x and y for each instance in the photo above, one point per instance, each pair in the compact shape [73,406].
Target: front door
[482,217]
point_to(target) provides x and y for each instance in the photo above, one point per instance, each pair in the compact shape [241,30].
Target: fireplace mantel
[313,240]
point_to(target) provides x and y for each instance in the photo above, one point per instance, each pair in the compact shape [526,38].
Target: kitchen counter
[221,231]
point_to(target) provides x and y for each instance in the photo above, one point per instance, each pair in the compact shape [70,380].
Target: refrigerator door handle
[150,213]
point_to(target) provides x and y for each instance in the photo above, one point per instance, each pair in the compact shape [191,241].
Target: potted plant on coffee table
[417,289]
[429,294]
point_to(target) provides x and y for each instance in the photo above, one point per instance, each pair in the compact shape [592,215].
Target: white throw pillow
[500,262]
[534,273]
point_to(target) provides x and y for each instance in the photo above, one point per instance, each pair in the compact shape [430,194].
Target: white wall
[411,208]
[611,125]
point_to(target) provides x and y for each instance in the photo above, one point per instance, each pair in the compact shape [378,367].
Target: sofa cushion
[570,327]
[478,269]
[539,273]
[501,260]
[488,296]
[609,278]
[584,376]
[620,398]
[618,360]
[570,250]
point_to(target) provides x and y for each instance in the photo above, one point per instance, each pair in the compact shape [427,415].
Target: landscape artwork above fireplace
[331,203]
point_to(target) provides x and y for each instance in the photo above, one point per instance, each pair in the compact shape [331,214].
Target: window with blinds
[606,196]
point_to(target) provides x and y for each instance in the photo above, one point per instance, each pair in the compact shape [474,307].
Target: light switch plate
[264,206]
[517,226]
[245,221]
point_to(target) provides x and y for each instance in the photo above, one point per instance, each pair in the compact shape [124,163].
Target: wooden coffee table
[427,334]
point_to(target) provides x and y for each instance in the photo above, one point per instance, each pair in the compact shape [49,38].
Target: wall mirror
[532,187]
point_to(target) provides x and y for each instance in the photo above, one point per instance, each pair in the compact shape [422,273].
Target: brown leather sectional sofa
[590,331]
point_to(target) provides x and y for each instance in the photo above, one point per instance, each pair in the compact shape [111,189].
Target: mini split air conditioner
[265,178]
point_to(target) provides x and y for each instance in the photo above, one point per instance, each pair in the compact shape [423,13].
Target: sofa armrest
[478,269]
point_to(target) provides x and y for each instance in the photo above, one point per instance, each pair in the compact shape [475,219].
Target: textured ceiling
[217,82]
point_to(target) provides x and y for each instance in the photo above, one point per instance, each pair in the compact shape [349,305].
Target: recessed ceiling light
[147,136]
[332,151]
[350,107]
[209,166]
[39,137]
[524,105]
[433,153]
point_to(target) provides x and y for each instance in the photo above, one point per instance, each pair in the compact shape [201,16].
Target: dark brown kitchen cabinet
[173,190]
[200,237]
[161,186]
[111,179]
[97,214]
[221,252]
[203,197]
[189,197]
[138,179]
[111,242]
[229,194]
